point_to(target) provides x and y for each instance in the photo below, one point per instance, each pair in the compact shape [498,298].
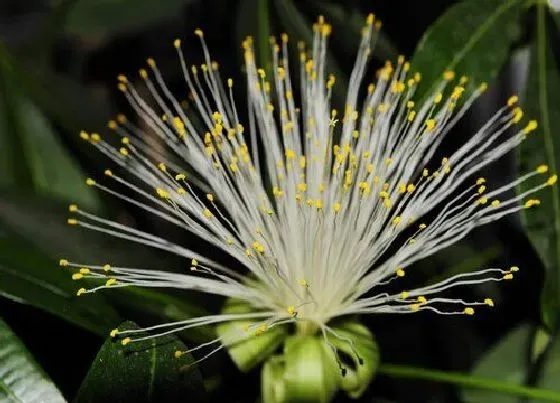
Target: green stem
[468,381]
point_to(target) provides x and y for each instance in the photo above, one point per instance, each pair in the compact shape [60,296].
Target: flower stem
[468,381]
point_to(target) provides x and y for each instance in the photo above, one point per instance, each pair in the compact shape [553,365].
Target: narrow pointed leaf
[21,379]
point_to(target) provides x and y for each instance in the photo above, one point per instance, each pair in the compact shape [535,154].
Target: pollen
[468,311]
[292,311]
[400,272]
[489,302]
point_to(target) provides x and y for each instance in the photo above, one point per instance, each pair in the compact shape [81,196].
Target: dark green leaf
[21,379]
[105,17]
[472,38]
[29,271]
[144,371]
[543,223]
[506,362]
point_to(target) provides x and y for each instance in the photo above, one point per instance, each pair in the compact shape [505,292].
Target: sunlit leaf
[21,379]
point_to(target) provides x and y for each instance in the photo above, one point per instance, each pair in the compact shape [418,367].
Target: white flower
[323,208]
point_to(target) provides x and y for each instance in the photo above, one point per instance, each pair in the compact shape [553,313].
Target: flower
[324,208]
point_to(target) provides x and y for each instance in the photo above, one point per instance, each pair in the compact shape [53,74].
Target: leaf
[506,361]
[21,379]
[144,371]
[551,370]
[108,17]
[29,270]
[472,38]
[543,223]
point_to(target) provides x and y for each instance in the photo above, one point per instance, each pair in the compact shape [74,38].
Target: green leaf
[29,270]
[21,379]
[506,361]
[252,350]
[472,38]
[144,371]
[551,371]
[543,223]
[106,17]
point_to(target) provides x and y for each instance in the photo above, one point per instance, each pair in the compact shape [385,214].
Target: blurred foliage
[54,82]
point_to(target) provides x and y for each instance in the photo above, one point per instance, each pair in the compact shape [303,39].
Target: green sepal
[366,361]
[306,372]
[273,386]
[252,350]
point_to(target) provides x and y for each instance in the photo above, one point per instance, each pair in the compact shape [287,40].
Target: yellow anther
[260,330]
[430,124]
[508,276]
[122,78]
[404,295]
[73,208]
[177,43]
[495,203]
[108,172]
[514,268]
[336,207]
[421,299]
[207,213]
[488,301]
[180,177]
[301,187]
[210,197]
[422,226]
[114,333]
[303,283]
[481,189]
[552,180]
[290,154]
[482,200]
[517,115]
[95,137]
[542,169]
[162,193]
[84,135]
[125,341]
[387,203]
[162,167]
[448,75]
[110,282]
[319,204]
[81,291]
[72,221]
[438,98]
[410,188]
[106,268]
[90,182]
[400,272]
[143,73]
[63,262]
[463,80]
[123,151]
[457,92]
[480,181]
[512,100]
[77,276]
[483,87]
[531,126]
[258,247]
[194,262]
[84,271]
[198,32]
[177,354]
[292,311]
[151,62]
[125,140]
[414,307]
[425,172]
[468,311]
